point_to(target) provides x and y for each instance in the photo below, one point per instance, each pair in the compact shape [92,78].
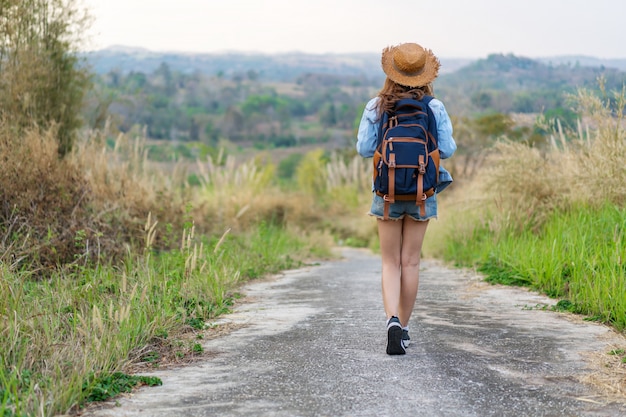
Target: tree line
[177,106]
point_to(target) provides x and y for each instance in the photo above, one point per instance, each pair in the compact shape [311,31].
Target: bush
[92,204]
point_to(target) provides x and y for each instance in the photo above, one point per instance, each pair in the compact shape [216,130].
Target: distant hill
[500,83]
[513,84]
[288,65]
[268,67]
[514,73]
[584,61]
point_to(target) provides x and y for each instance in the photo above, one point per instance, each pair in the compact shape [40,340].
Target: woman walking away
[405,193]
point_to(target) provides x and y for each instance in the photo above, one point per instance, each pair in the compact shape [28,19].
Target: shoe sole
[394,341]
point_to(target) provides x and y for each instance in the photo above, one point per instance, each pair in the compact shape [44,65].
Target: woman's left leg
[412,239]
[390,235]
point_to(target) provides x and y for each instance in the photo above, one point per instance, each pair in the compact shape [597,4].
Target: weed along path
[311,342]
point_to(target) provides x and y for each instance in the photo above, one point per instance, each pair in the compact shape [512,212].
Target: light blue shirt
[367,137]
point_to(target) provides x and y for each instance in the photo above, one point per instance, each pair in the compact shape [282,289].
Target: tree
[482,100]
[494,125]
[232,123]
[328,115]
[42,81]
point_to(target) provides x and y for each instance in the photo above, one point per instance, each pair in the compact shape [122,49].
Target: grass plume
[552,218]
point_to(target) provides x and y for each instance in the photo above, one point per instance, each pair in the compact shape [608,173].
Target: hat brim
[427,75]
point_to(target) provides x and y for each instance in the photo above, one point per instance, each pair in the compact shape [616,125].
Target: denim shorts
[399,209]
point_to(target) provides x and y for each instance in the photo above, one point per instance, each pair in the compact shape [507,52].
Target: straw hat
[409,64]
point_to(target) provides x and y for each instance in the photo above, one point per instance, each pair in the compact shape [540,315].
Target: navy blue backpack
[406,161]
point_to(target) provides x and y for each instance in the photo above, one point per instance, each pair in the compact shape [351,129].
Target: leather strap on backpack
[392,177]
[421,170]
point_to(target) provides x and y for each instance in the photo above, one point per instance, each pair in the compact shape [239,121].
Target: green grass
[68,339]
[577,255]
[110,385]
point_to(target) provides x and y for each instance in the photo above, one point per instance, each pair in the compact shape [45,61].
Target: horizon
[131,48]
[451,28]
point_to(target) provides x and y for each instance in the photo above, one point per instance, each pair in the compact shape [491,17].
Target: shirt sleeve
[446,143]
[367,136]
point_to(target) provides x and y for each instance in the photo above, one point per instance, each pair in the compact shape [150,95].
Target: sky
[451,28]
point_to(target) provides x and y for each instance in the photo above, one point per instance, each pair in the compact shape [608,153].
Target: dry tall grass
[93,203]
[89,204]
[125,187]
[349,195]
[520,185]
[327,196]
[43,200]
[586,166]
[237,195]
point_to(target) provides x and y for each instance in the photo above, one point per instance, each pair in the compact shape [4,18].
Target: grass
[75,328]
[562,229]
[109,386]
[70,323]
[576,255]
[67,339]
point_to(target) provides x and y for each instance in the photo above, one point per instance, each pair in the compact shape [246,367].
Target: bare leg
[401,245]
[413,237]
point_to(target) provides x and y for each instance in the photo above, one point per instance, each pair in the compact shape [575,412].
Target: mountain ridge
[129,58]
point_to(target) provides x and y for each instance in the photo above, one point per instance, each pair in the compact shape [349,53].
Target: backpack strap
[432,121]
[382,126]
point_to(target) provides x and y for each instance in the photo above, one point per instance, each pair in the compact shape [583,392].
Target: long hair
[392,92]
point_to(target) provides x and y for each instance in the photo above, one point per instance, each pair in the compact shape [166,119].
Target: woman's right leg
[390,236]
[412,239]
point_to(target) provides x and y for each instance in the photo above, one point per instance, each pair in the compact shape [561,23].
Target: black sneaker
[406,339]
[394,337]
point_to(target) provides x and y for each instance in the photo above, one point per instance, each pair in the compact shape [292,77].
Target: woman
[410,71]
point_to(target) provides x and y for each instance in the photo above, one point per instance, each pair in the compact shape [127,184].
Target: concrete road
[312,343]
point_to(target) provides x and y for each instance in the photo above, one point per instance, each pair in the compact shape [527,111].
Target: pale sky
[451,28]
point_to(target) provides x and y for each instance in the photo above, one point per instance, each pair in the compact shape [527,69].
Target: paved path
[313,344]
